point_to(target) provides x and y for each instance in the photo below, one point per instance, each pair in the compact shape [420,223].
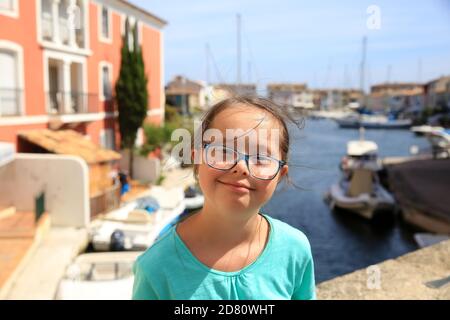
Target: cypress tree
[131,92]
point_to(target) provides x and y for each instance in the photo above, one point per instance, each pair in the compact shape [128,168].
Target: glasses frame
[241,156]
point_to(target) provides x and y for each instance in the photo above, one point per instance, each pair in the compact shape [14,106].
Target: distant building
[404,97]
[331,99]
[185,94]
[352,98]
[303,100]
[294,95]
[231,89]
[437,93]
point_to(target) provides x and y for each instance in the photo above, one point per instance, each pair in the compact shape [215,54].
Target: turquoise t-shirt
[284,270]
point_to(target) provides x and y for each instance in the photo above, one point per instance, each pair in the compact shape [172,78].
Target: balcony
[11,101]
[63,103]
[69,103]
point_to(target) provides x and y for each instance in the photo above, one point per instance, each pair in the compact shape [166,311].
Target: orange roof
[69,142]
[181,85]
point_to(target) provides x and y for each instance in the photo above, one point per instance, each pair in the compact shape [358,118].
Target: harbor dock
[423,274]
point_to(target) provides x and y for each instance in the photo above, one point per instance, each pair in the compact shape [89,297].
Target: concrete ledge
[40,277]
[423,274]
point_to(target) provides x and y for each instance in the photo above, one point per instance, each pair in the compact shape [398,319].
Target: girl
[229,249]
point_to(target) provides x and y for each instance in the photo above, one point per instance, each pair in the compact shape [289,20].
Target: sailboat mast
[207,63]
[363,66]
[238,38]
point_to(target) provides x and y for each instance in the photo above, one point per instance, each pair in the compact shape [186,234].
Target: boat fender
[117,242]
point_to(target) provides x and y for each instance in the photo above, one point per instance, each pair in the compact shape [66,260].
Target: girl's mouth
[237,187]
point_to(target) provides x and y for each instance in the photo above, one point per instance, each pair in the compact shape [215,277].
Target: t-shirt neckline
[225,273]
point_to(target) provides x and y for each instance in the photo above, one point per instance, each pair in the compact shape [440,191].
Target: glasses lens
[263,167]
[220,157]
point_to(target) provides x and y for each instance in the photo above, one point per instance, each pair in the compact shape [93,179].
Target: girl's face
[217,185]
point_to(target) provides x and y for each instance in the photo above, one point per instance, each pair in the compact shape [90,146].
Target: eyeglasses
[260,166]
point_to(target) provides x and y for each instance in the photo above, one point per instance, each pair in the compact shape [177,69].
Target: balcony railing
[10,101]
[72,103]
[61,103]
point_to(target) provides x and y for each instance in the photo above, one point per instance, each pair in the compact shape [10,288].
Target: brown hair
[280,113]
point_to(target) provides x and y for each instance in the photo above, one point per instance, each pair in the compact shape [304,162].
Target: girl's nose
[241,167]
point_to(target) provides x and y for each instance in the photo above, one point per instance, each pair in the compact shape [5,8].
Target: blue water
[341,242]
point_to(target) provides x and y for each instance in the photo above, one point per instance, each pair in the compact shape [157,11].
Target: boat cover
[423,185]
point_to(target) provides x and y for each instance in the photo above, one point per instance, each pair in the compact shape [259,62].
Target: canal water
[341,242]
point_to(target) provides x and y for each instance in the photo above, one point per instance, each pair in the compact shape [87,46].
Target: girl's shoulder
[286,235]
[159,251]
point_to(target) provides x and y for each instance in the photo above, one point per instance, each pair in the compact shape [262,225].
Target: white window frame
[60,47]
[18,51]
[103,39]
[14,13]
[62,56]
[101,65]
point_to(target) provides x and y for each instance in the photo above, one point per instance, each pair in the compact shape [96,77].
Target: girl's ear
[284,171]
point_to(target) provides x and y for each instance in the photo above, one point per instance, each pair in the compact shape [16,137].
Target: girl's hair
[280,113]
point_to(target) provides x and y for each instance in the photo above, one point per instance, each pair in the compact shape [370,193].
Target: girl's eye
[262,160]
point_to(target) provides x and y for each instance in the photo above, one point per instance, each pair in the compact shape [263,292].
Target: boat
[440,143]
[372,122]
[421,189]
[193,198]
[131,228]
[424,129]
[99,276]
[359,190]
[331,114]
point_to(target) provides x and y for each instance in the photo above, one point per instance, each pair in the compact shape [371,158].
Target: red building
[59,61]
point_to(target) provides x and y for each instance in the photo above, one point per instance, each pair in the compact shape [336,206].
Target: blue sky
[318,42]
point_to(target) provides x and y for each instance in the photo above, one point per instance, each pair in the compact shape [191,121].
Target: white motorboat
[359,189]
[193,198]
[440,143]
[373,122]
[135,229]
[424,129]
[99,276]
[331,114]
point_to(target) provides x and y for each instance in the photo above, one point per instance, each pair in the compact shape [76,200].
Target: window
[9,8]
[105,81]
[10,93]
[105,24]
[107,140]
